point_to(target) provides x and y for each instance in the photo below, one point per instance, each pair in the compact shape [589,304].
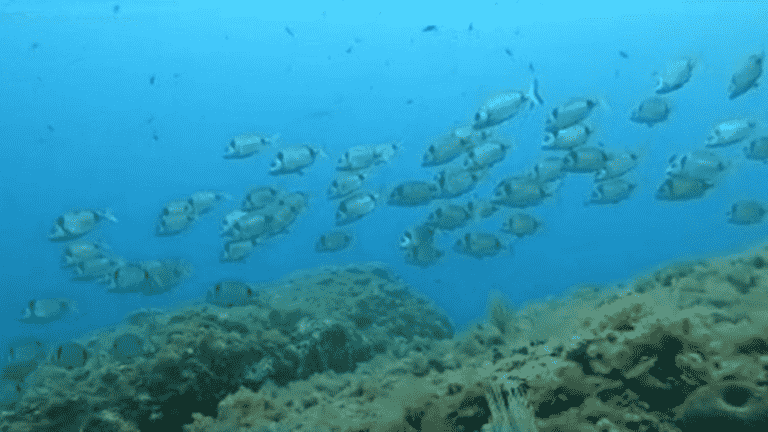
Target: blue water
[78,115]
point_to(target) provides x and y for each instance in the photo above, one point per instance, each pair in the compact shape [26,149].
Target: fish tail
[533,93]
[107,214]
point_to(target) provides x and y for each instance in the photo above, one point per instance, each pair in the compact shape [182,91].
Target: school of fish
[462,158]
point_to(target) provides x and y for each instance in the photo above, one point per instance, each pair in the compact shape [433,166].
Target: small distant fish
[414,193]
[729,132]
[651,111]
[295,159]
[746,76]
[504,106]
[349,50]
[675,75]
[747,212]
[682,189]
[409,102]
[424,255]
[611,192]
[44,311]
[174,224]
[417,236]
[470,27]
[355,207]
[623,54]
[116,8]
[570,113]
[127,347]
[76,223]
[698,165]
[365,156]
[287,30]
[24,356]
[333,241]
[521,225]
[35,45]
[530,67]
[248,144]
[152,80]
[155,137]
[70,355]
[509,52]
[758,149]
[429,28]
[231,294]
[479,245]
[51,129]
[203,201]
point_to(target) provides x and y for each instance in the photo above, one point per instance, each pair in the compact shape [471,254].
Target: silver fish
[758,149]
[242,146]
[333,241]
[414,193]
[729,132]
[449,217]
[698,164]
[570,113]
[521,224]
[504,106]
[355,207]
[568,138]
[229,293]
[479,245]
[76,223]
[611,191]
[204,200]
[295,159]
[746,76]
[674,75]
[618,164]
[653,110]
[682,189]
[43,311]
[747,212]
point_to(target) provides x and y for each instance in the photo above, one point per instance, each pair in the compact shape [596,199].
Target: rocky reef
[354,349]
